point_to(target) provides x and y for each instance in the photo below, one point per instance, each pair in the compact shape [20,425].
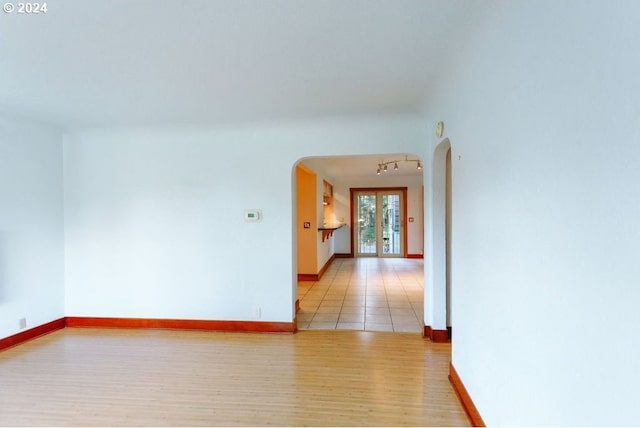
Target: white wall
[544,121]
[31,221]
[154,218]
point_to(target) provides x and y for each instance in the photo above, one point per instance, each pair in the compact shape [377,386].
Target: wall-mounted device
[252,216]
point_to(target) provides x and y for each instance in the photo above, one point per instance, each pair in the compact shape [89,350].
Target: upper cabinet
[327,192]
[327,201]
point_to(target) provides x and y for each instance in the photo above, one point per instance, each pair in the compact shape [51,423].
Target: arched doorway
[437,287]
[356,292]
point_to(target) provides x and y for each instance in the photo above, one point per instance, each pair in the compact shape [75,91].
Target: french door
[379,229]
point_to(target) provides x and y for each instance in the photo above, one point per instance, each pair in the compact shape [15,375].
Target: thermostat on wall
[252,216]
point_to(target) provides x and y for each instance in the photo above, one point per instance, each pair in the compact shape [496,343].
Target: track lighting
[383,166]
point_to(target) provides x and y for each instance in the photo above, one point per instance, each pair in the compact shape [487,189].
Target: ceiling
[344,167]
[120,63]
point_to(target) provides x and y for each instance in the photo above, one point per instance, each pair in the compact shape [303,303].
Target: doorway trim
[403,190]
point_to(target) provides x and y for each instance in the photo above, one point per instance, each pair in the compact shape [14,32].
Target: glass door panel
[391,223]
[379,230]
[366,239]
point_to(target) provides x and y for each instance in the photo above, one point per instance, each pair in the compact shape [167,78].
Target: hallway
[373,294]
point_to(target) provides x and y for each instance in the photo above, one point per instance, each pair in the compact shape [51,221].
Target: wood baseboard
[415,256]
[438,336]
[172,324]
[316,277]
[32,333]
[465,399]
[326,266]
[343,255]
[179,324]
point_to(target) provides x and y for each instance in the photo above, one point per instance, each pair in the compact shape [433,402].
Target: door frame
[402,190]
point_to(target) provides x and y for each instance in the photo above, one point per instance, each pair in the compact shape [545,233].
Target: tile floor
[376,294]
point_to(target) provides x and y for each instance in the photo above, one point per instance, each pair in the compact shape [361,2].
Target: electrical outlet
[23,323]
[257,312]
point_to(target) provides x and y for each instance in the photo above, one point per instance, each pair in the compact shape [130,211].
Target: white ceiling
[342,167]
[105,63]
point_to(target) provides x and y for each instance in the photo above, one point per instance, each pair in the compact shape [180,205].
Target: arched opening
[448,218]
[437,289]
[334,288]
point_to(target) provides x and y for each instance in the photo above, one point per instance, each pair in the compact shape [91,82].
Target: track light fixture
[383,166]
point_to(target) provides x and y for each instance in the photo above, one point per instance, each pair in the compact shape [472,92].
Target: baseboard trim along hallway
[465,399]
[148,323]
[180,324]
[438,336]
[318,276]
[32,333]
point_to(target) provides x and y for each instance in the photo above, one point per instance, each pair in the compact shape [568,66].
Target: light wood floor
[144,377]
